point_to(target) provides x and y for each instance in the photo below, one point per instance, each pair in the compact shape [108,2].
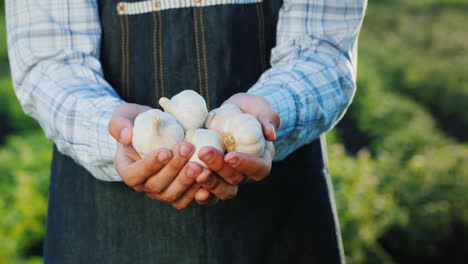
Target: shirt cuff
[104,173]
[105,143]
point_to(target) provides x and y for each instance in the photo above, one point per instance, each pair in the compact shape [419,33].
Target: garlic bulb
[155,129]
[243,133]
[216,117]
[188,107]
[202,138]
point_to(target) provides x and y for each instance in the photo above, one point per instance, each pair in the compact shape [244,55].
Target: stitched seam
[161,53]
[142,7]
[122,49]
[260,37]
[155,56]
[265,62]
[197,51]
[127,51]
[205,66]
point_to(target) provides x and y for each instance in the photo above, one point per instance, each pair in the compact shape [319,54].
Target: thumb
[270,122]
[121,129]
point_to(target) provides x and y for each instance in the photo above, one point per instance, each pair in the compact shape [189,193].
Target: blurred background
[398,159]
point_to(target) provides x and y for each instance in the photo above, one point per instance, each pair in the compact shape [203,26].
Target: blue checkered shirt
[54,58]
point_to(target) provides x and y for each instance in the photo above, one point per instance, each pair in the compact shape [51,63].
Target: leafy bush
[398,158]
[24,166]
[422,172]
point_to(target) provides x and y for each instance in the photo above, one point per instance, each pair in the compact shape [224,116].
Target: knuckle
[186,180]
[170,198]
[180,206]
[213,183]
[138,188]
[236,179]
[230,194]
[259,177]
[129,181]
[151,196]
[151,187]
[176,164]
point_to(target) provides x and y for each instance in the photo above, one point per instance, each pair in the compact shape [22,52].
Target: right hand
[164,175]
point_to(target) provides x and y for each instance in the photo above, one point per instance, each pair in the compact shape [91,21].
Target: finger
[121,129]
[184,180]
[256,168]
[210,200]
[270,122]
[216,185]
[204,197]
[163,178]
[187,198]
[134,172]
[215,162]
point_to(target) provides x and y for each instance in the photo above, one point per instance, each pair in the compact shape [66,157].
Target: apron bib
[151,49]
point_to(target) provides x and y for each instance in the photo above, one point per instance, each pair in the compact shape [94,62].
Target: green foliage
[401,105]
[25,157]
[398,158]
[367,207]
[24,166]
[425,56]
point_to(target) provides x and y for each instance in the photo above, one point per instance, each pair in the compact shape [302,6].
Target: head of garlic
[188,107]
[155,129]
[202,138]
[216,117]
[243,133]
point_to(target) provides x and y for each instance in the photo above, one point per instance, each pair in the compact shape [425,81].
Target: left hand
[235,167]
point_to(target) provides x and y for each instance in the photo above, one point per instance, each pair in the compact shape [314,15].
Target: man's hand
[235,167]
[164,175]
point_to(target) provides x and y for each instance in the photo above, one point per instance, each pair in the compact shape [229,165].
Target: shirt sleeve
[58,79]
[313,75]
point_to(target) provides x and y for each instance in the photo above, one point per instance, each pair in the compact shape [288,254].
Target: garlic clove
[216,117]
[188,107]
[202,138]
[243,133]
[155,129]
[254,150]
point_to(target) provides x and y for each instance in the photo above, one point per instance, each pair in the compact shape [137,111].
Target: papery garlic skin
[216,117]
[188,107]
[243,133]
[155,129]
[202,138]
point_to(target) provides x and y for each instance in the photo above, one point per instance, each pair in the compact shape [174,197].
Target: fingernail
[163,157]
[190,172]
[208,156]
[123,134]
[273,129]
[205,179]
[185,150]
[233,161]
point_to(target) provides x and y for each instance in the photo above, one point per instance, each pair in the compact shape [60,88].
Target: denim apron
[151,49]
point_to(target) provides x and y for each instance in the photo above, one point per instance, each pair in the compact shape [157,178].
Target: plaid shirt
[54,57]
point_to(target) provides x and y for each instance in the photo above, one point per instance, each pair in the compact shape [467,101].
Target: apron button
[122,7]
[157,5]
[197,1]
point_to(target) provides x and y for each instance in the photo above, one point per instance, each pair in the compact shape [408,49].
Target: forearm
[58,78]
[312,79]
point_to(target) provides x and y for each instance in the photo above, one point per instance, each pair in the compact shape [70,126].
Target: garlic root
[243,133]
